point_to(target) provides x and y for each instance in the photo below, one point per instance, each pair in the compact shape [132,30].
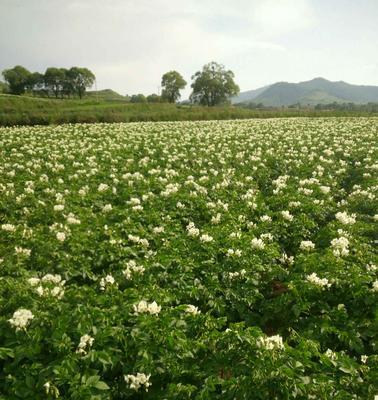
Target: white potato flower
[34,281]
[192,230]
[86,341]
[137,381]
[102,187]
[340,246]
[346,219]
[307,245]
[286,215]
[206,238]
[8,227]
[190,309]
[61,236]
[313,278]
[257,243]
[107,208]
[143,307]
[107,281]
[21,318]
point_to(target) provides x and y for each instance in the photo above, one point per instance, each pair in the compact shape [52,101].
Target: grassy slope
[22,110]
[105,95]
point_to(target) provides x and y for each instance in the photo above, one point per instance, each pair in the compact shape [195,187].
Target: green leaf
[92,380]
[101,386]
[6,352]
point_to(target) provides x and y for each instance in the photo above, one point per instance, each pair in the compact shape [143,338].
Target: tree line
[55,82]
[211,86]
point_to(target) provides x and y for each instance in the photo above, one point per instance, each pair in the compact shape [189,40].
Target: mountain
[249,95]
[315,91]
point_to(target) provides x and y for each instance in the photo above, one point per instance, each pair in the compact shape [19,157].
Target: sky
[130,44]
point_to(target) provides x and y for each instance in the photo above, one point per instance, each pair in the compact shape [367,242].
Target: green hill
[105,95]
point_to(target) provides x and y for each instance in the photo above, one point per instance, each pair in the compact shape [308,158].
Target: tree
[213,85]
[153,98]
[54,80]
[35,82]
[80,79]
[172,82]
[17,79]
[138,98]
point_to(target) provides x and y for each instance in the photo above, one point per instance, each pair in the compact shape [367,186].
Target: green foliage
[55,80]
[59,82]
[17,79]
[79,79]
[138,98]
[166,260]
[4,88]
[106,95]
[22,110]
[213,85]
[172,82]
[154,98]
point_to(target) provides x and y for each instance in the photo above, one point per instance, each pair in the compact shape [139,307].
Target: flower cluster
[346,219]
[192,230]
[48,285]
[108,281]
[314,279]
[340,246]
[190,309]
[307,245]
[132,268]
[257,243]
[143,307]
[21,318]
[86,341]
[138,381]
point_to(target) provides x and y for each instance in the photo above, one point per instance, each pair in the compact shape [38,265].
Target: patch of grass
[23,110]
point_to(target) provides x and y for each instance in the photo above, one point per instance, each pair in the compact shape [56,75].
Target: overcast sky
[129,44]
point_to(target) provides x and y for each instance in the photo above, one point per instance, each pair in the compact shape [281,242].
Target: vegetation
[17,79]
[172,82]
[213,88]
[58,82]
[106,95]
[350,107]
[107,107]
[213,85]
[190,260]
[4,88]
[369,107]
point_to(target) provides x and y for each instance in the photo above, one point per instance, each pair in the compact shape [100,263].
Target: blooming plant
[189,260]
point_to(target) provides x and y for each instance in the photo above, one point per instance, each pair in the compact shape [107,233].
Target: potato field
[190,260]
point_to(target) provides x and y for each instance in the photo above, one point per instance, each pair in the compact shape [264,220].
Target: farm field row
[189,260]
